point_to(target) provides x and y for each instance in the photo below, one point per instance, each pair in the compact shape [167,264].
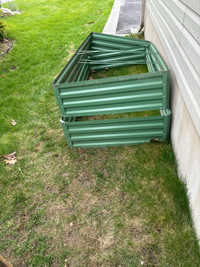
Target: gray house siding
[174,27]
[193,5]
[182,48]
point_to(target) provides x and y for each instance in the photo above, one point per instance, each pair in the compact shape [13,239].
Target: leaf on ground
[10,156]
[10,161]
[92,71]
[66,263]
[13,122]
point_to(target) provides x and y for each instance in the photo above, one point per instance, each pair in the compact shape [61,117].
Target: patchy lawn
[121,206]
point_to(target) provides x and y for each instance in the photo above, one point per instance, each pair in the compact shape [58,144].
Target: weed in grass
[138,35]
[2,30]
[19,200]
[13,6]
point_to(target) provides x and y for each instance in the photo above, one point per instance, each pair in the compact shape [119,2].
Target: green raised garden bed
[79,97]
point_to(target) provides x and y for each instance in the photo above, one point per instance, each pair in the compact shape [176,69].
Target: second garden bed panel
[100,133]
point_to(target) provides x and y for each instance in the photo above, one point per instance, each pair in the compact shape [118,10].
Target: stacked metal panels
[77,96]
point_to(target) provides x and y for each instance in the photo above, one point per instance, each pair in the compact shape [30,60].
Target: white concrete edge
[111,24]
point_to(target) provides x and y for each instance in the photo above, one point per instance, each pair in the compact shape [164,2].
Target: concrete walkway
[124,18]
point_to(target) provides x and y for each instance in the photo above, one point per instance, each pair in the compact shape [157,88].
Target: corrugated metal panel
[77,96]
[120,94]
[74,71]
[99,133]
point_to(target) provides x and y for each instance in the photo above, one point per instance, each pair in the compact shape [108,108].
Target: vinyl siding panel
[191,46]
[193,5]
[179,28]
[177,8]
[192,24]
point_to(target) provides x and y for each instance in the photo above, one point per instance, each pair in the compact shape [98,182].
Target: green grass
[119,71]
[97,207]
[120,115]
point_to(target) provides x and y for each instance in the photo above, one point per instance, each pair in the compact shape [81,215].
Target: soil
[4,46]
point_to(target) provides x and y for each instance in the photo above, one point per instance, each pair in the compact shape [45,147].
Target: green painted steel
[116,131]
[77,96]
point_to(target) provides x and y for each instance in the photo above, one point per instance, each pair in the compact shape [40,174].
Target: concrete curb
[115,18]
[111,24]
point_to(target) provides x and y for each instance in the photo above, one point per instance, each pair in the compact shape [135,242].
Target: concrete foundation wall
[184,135]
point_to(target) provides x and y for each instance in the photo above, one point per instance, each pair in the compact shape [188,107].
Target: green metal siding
[77,96]
[119,94]
[117,132]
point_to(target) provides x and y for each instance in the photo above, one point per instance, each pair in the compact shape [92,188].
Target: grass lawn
[121,206]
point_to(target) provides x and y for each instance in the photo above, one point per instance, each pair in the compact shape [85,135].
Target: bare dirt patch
[5,46]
